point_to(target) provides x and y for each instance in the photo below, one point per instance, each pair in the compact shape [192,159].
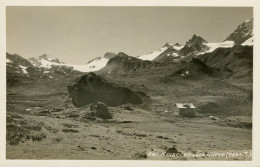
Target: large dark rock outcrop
[91,88]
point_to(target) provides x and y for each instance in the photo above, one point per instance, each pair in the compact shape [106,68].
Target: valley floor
[40,126]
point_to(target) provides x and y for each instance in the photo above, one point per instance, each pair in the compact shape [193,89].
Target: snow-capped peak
[45,61]
[17,64]
[242,33]
[166,47]
[50,58]
[195,40]
[48,62]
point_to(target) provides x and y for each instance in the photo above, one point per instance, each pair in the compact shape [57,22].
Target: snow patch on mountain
[178,47]
[46,72]
[47,64]
[23,69]
[248,42]
[247,21]
[8,61]
[152,55]
[95,65]
[172,54]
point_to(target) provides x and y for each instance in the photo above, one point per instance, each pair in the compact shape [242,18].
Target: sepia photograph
[171,83]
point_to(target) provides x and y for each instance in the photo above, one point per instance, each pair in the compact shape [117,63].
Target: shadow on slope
[236,63]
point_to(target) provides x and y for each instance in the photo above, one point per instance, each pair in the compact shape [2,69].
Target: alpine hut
[185,109]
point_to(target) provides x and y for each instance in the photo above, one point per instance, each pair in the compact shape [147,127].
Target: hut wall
[187,112]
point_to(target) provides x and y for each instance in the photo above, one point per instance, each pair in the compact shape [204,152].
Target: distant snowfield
[152,55]
[214,46]
[93,66]
[249,42]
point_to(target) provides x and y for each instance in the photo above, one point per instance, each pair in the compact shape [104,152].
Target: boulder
[173,150]
[208,107]
[101,110]
[91,88]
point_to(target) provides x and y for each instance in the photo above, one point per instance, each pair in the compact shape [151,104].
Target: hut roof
[184,105]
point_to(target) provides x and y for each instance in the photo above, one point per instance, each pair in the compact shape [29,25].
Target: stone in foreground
[101,110]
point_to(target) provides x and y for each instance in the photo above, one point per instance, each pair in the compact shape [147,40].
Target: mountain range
[196,47]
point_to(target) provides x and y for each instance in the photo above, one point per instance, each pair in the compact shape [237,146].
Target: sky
[76,35]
